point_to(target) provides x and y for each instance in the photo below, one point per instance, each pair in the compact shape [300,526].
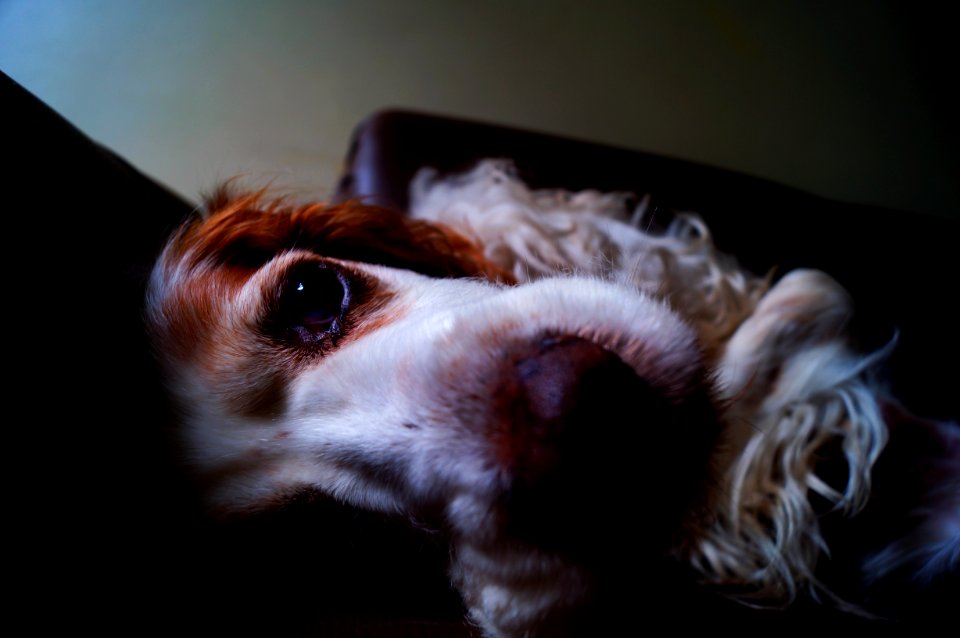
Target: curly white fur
[790,383]
[542,233]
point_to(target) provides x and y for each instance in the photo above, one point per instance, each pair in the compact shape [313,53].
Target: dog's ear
[248,229]
[804,430]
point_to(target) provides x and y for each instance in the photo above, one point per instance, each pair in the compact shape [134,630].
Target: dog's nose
[559,396]
[580,433]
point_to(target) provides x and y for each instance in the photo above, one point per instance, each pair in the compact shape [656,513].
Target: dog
[563,393]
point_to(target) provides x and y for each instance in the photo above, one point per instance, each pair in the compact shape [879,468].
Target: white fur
[544,233]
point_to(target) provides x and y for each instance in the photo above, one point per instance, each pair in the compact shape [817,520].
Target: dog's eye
[313,299]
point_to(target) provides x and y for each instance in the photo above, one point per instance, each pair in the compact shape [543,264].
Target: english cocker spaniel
[564,394]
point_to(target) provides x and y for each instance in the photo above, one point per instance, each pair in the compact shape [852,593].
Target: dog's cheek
[262,396]
[245,375]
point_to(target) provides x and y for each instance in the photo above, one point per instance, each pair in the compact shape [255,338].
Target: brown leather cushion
[899,265]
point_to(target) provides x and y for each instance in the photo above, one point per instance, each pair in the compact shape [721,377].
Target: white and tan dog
[532,374]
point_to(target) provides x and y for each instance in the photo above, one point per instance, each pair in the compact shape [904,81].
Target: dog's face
[508,416]
[555,429]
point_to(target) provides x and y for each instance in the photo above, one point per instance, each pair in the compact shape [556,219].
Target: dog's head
[541,423]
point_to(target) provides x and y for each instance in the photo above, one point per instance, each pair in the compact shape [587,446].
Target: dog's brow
[247,234]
